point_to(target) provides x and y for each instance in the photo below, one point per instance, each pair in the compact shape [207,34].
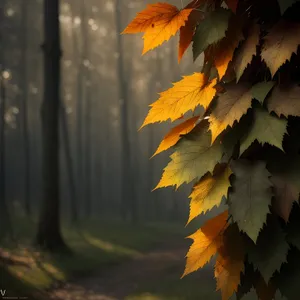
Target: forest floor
[110,261]
[154,275]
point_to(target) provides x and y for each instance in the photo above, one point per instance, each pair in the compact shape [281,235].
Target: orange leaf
[232,4]
[159,22]
[230,262]
[221,53]
[174,135]
[281,42]
[185,95]
[207,240]
[187,31]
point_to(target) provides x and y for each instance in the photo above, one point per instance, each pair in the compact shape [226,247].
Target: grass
[96,246]
[200,285]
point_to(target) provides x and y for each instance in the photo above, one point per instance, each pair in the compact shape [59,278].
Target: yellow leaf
[231,106]
[209,192]
[193,158]
[174,135]
[185,95]
[207,240]
[279,45]
[230,262]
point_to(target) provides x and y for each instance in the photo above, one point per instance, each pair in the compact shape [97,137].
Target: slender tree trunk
[79,109]
[127,201]
[49,232]
[87,113]
[4,214]
[5,224]
[24,112]
[69,165]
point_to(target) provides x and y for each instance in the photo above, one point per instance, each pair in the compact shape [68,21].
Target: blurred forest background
[103,203]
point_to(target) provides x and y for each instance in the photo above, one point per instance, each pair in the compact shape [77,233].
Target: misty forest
[76,174]
[94,204]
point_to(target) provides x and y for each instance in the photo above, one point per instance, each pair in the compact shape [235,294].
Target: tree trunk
[87,113]
[127,202]
[69,165]
[4,214]
[79,109]
[24,113]
[49,232]
[5,225]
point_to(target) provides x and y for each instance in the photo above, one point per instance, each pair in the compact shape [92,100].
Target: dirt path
[122,280]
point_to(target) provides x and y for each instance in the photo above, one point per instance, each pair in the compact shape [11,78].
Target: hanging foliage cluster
[244,149]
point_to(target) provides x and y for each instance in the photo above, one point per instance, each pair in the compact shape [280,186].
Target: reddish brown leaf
[285,195]
[264,291]
[232,4]
[187,32]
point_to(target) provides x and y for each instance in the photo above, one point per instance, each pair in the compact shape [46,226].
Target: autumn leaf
[193,157]
[232,4]
[279,44]
[261,90]
[230,262]
[265,129]
[222,52]
[207,240]
[270,251]
[246,52]
[251,196]
[208,192]
[285,195]
[174,135]
[265,291]
[230,107]
[185,95]
[285,100]
[285,4]
[159,22]
[187,31]
[210,30]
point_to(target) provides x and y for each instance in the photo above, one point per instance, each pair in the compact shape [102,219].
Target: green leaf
[210,30]
[251,196]
[285,4]
[265,129]
[261,90]
[250,295]
[289,277]
[285,100]
[270,251]
[193,157]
